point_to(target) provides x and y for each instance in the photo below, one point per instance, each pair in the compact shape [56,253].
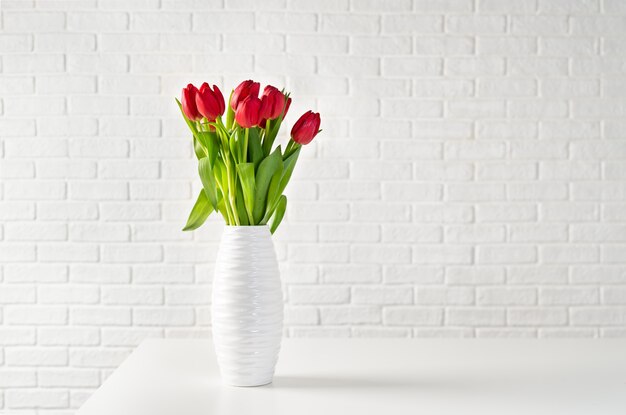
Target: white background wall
[469,180]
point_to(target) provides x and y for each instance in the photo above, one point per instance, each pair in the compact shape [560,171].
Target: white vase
[247,308]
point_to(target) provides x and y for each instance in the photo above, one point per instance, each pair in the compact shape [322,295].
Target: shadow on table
[304,382]
[455,382]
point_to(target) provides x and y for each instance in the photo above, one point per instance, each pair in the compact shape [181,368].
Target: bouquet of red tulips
[243,176]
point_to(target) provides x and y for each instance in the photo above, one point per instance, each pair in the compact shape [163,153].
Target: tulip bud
[248,112]
[188,101]
[287,105]
[243,90]
[306,128]
[272,103]
[210,102]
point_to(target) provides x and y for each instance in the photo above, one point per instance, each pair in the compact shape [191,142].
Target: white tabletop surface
[384,376]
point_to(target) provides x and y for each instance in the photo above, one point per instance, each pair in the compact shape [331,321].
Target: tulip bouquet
[243,176]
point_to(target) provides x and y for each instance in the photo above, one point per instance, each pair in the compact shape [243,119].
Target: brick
[359,273]
[128,336]
[592,316]
[368,212]
[613,295]
[412,316]
[450,6]
[412,233]
[106,63]
[476,24]
[506,296]
[463,275]
[376,253]
[16,43]
[539,25]
[475,317]
[444,296]
[18,294]
[568,254]
[568,7]
[350,23]
[99,22]
[474,234]
[38,273]
[65,42]
[33,21]
[322,5]
[93,358]
[61,294]
[17,336]
[405,23]
[568,296]
[36,356]
[444,254]
[418,274]
[509,254]
[37,398]
[341,315]
[39,315]
[318,295]
[377,45]
[69,378]
[33,63]
[508,6]
[98,316]
[349,233]
[160,22]
[382,295]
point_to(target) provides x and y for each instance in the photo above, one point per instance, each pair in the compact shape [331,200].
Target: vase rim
[246,228]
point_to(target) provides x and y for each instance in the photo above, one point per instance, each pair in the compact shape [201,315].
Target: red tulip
[306,128]
[210,102]
[248,112]
[243,90]
[188,101]
[272,103]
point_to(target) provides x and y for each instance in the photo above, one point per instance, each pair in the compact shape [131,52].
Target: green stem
[245,146]
[229,215]
[232,189]
[291,147]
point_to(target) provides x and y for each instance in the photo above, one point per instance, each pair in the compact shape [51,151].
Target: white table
[358,376]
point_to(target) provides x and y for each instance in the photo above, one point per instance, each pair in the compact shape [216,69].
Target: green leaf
[199,213]
[290,163]
[232,143]
[254,147]
[198,149]
[208,180]
[273,193]
[221,206]
[271,131]
[279,213]
[241,144]
[268,167]
[246,178]
[230,114]
[209,140]
[288,166]
[241,206]
[190,124]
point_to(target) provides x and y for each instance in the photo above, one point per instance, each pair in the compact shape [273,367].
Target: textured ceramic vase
[247,309]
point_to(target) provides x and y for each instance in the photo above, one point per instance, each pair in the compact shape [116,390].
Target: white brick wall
[469,182]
